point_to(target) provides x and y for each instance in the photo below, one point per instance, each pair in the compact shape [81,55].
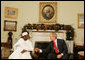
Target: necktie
[56,48]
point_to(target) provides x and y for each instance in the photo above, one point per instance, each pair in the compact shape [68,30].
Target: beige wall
[28,12]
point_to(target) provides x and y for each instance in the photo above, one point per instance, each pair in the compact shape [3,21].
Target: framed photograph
[81,20]
[11,12]
[48,12]
[10,25]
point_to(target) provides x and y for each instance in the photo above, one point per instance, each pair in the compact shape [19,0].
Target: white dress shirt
[56,43]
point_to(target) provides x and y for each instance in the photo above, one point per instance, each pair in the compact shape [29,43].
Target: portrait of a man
[48,12]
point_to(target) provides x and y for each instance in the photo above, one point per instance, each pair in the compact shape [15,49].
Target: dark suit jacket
[61,46]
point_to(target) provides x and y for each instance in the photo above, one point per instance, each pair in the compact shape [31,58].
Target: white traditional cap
[24,33]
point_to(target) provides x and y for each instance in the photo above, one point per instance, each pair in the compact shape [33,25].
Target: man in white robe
[22,48]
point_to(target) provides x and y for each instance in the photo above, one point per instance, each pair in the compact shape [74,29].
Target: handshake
[36,49]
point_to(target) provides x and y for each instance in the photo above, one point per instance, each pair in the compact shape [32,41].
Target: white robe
[20,46]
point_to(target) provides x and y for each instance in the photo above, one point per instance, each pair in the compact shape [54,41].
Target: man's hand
[23,51]
[59,56]
[36,49]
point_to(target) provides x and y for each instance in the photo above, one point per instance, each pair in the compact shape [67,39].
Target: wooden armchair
[77,50]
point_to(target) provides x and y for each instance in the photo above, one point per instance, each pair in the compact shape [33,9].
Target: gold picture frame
[48,12]
[11,12]
[81,20]
[10,25]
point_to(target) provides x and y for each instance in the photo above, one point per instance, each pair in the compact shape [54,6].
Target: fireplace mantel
[52,28]
[49,31]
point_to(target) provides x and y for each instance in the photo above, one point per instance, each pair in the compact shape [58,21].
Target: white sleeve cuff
[40,51]
[61,53]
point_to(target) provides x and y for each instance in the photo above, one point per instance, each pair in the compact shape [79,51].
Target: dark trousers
[51,56]
[54,56]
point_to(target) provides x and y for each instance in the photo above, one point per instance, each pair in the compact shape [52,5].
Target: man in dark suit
[57,48]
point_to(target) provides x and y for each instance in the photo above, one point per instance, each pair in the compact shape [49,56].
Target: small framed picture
[48,12]
[11,12]
[80,20]
[10,25]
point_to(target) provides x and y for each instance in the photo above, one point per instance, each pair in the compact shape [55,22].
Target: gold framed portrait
[81,20]
[48,12]
[11,12]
